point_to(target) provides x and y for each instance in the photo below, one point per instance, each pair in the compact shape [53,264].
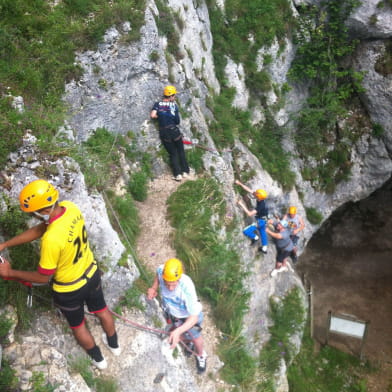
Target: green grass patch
[265,141]
[313,215]
[39,384]
[126,220]
[288,317]
[323,46]
[196,211]
[38,42]
[131,299]
[99,159]
[242,30]
[194,157]
[82,365]
[137,185]
[327,370]
[8,379]
[166,23]
[266,144]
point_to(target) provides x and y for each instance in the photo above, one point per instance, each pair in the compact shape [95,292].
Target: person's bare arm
[246,210]
[301,225]
[154,114]
[152,292]
[273,234]
[29,276]
[175,335]
[243,186]
[29,235]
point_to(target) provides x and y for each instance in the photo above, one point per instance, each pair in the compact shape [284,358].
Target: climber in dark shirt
[260,212]
[166,111]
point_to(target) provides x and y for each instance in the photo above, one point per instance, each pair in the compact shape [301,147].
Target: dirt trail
[154,247]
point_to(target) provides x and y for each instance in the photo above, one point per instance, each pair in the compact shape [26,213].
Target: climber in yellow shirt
[65,257]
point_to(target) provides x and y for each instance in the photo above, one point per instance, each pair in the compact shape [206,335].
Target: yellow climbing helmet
[172,270]
[261,194]
[169,91]
[37,195]
[292,210]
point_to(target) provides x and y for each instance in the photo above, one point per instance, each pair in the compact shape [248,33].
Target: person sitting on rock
[284,245]
[260,212]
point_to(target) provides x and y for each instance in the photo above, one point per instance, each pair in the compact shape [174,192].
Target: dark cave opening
[349,265]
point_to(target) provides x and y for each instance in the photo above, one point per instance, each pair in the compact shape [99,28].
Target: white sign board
[348,327]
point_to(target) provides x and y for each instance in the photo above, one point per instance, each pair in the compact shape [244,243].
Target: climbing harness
[84,276]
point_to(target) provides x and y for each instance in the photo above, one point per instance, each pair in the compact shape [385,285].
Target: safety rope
[159,332]
[150,329]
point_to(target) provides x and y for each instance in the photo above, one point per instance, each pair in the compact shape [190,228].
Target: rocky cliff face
[120,84]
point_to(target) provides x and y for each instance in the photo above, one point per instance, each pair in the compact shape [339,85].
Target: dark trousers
[176,152]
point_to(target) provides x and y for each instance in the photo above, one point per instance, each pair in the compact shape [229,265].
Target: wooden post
[363,340]
[311,310]
[328,327]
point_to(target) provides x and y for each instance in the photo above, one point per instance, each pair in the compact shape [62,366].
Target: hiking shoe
[101,365]
[201,363]
[189,349]
[290,267]
[274,273]
[263,249]
[185,175]
[177,178]
[115,350]
[253,241]
[283,269]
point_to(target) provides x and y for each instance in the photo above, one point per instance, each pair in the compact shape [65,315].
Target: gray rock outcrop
[118,87]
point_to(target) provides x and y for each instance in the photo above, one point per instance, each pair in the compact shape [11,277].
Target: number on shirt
[78,244]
